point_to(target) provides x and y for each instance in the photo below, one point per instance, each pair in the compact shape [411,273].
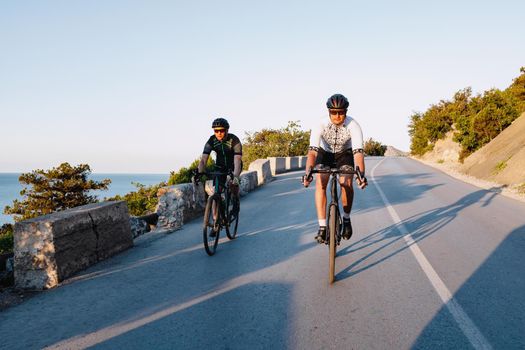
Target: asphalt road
[433,263]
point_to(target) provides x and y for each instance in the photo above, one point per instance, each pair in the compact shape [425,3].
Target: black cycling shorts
[335,160]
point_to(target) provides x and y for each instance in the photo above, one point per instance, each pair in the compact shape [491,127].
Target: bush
[285,142]
[47,191]
[143,201]
[476,120]
[184,174]
[6,238]
[374,148]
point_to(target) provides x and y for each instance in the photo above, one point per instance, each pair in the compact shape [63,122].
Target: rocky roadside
[452,169]
[10,297]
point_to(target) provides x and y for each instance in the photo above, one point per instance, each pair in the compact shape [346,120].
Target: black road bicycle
[222,211]
[333,216]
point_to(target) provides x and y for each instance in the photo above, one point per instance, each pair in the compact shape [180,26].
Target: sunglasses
[338,113]
[219,131]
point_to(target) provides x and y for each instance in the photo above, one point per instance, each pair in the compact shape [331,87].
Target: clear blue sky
[132,86]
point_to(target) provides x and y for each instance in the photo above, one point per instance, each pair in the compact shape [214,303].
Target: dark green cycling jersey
[225,150]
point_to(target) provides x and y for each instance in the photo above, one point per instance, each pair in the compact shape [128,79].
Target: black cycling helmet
[220,123]
[337,101]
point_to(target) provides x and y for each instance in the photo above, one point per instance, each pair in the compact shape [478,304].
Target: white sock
[346,215]
[322,222]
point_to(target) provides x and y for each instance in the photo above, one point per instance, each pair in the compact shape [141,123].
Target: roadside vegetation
[6,238]
[475,120]
[374,148]
[47,191]
[289,141]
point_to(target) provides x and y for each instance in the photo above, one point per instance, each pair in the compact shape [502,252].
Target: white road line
[468,327]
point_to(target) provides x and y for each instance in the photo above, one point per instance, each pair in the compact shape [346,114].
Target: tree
[142,201]
[289,141]
[47,191]
[517,89]
[6,238]
[374,148]
[184,174]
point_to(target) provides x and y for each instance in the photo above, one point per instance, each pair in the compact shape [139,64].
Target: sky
[133,86]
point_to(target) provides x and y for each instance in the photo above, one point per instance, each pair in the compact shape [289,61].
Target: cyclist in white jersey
[334,143]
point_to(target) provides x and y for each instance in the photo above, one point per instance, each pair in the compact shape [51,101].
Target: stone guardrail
[50,248]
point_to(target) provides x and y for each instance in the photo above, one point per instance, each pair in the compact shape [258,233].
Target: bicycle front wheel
[211,226]
[333,227]
[233,217]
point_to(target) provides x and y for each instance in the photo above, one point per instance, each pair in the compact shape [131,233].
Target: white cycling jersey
[335,139]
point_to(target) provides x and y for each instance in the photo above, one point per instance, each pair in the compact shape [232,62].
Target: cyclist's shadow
[419,226]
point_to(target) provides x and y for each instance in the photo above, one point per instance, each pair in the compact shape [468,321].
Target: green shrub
[6,238]
[476,120]
[47,191]
[374,148]
[285,142]
[184,174]
[142,201]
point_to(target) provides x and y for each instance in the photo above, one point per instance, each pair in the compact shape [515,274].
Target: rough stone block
[50,248]
[178,204]
[248,182]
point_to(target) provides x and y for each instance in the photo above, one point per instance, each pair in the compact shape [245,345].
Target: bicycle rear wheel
[233,217]
[333,226]
[211,227]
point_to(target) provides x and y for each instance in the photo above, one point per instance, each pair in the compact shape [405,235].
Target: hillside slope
[503,159]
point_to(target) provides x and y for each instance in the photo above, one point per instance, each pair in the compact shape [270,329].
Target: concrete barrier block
[292,163]
[50,248]
[277,165]
[264,172]
[301,160]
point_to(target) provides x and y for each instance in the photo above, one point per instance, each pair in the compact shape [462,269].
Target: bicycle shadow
[420,226]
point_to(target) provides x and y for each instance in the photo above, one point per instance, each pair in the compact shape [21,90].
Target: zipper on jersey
[224,155]
[335,140]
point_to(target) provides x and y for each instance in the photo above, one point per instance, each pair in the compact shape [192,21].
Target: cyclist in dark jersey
[228,150]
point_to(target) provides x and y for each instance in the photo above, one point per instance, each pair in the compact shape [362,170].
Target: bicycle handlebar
[336,171]
[196,175]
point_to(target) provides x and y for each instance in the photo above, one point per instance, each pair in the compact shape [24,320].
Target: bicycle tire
[209,225]
[233,217]
[332,243]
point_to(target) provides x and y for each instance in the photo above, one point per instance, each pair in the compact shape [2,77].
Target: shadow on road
[225,318]
[493,297]
[170,288]
[419,226]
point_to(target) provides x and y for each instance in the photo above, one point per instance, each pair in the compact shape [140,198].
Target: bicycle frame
[334,224]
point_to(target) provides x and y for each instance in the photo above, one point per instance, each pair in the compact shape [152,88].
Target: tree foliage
[47,191]
[142,201]
[6,238]
[184,174]
[374,148]
[476,120]
[289,141]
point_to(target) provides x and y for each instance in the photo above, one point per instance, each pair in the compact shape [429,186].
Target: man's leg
[347,197]
[320,204]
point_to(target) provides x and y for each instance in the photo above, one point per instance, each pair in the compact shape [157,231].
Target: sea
[120,184]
